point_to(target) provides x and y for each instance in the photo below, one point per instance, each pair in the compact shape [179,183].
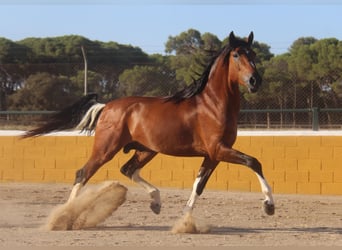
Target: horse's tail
[81,115]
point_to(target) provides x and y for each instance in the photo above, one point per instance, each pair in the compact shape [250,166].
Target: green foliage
[147,81]
[48,73]
[43,91]
[62,57]
[11,52]
[277,80]
[95,83]
[308,76]
[337,88]
[192,51]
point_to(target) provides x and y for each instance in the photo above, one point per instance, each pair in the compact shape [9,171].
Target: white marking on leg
[266,190]
[74,192]
[193,197]
[152,190]
[139,180]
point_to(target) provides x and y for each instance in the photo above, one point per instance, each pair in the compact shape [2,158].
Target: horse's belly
[181,151]
[173,144]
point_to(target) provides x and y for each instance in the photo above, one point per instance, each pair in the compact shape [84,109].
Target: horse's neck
[223,106]
[219,90]
[234,98]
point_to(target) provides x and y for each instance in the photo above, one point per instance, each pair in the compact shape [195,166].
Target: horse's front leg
[201,180]
[233,156]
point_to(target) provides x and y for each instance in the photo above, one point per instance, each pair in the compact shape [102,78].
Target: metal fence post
[315,119]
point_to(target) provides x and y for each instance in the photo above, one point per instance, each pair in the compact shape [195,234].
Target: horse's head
[242,68]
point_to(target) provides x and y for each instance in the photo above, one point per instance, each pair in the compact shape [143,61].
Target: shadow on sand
[227,230]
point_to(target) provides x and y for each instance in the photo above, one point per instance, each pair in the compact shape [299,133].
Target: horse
[197,121]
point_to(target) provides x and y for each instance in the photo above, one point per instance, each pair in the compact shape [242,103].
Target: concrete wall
[300,164]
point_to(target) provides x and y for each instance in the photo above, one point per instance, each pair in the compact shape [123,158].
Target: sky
[149,23]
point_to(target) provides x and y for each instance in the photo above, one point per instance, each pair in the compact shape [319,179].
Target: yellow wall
[292,164]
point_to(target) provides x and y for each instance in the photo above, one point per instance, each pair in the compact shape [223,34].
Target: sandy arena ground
[236,219]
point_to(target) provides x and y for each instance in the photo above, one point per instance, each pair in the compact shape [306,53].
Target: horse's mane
[199,84]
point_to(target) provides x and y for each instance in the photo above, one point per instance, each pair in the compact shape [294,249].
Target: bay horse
[198,121]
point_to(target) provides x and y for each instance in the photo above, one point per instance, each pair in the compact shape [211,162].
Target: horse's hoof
[155,207]
[268,208]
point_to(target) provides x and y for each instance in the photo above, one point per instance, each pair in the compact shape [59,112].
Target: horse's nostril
[252,81]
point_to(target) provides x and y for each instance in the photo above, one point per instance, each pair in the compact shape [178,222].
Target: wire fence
[257,119]
[290,106]
[314,119]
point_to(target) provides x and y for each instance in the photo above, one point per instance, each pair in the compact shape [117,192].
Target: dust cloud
[90,208]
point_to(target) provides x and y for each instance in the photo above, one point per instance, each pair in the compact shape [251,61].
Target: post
[315,119]
[85,70]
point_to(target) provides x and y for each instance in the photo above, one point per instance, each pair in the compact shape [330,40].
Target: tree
[308,75]
[210,42]
[326,71]
[147,81]
[186,43]
[43,91]
[62,56]
[192,51]
[12,56]
[95,83]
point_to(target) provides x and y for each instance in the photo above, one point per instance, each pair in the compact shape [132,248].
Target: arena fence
[293,164]
[311,118]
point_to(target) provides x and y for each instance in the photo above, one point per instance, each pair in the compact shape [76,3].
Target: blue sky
[148,24]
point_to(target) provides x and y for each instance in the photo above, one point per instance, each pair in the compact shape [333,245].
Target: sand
[235,219]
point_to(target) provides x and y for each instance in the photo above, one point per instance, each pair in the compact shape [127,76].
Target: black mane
[199,84]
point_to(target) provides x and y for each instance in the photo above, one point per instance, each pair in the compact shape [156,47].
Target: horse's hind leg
[84,174]
[132,168]
[104,150]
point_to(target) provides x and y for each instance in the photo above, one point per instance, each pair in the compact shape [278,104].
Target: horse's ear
[232,39]
[250,39]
